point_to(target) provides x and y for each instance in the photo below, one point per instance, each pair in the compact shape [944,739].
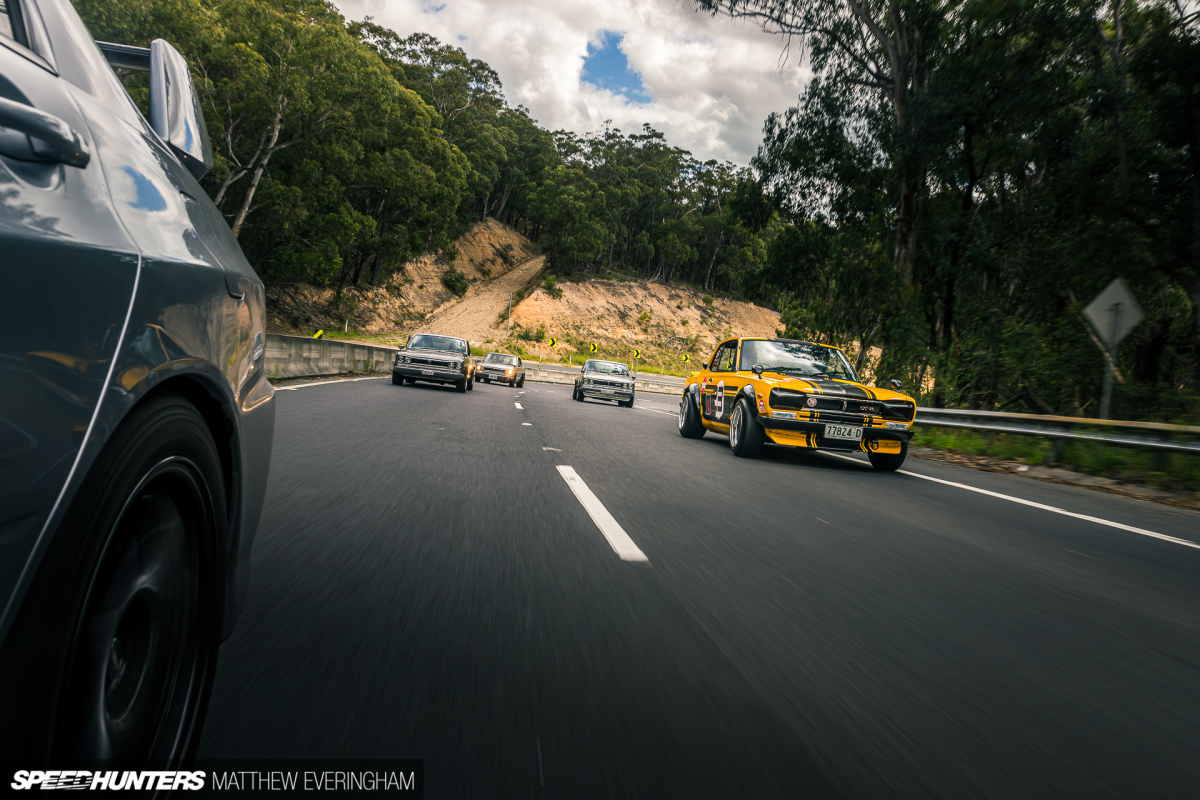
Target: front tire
[471,384]
[745,434]
[690,426]
[460,386]
[115,646]
[888,462]
[521,383]
[396,379]
[579,394]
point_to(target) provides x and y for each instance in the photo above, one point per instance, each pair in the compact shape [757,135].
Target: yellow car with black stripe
[757,390]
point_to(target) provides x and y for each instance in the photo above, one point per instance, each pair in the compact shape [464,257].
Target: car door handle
[51,139]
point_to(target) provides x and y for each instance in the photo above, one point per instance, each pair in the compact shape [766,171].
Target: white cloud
[711,80]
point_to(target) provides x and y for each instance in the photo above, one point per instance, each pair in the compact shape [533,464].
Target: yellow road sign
[553,341]
[637,353]
[686,358]
[318,334]
[592,347]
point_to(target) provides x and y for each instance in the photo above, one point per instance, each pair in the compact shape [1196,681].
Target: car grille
[496,370]
[849,407]
[430,362]
[609,384]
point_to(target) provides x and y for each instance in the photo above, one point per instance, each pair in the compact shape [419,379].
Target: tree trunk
[281,104]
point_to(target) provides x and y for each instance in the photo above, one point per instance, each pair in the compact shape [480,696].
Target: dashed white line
[656,411]
[527,424]
[612,530]
[323,383]
[1042,506]
[519,406]
[555,449]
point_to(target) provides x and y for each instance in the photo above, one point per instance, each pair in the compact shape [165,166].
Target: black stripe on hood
[835,389]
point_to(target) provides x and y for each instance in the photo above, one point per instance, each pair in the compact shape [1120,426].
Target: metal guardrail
[1154,436]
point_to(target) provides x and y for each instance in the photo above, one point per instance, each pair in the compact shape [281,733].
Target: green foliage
[1036,152]
[550,283]
[456,281]
[526,335]
[707,299]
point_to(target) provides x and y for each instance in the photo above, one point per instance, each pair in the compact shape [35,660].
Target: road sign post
[508,321]
[1114,313]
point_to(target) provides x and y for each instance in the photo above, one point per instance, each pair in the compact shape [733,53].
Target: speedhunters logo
[237,778]
[120,780]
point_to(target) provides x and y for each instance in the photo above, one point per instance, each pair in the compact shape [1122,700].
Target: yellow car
[795,393]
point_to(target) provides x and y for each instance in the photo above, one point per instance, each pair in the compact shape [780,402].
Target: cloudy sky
[708,83]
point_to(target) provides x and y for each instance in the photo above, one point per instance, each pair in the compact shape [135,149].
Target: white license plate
[606,391]
[426,372]
[843,432]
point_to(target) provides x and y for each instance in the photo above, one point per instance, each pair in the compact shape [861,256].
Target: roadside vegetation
[947,232]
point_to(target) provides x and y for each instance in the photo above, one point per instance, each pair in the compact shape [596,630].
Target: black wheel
[689,418]
[625,403]
[115,646]
[396,379]
[460,386]
[745,434]
[579,394]
[521,383]
[888,462]
[471,384]
[410,381]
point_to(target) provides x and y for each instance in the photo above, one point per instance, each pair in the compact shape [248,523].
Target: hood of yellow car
[833,388]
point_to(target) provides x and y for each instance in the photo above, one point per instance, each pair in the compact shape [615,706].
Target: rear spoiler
[126,56]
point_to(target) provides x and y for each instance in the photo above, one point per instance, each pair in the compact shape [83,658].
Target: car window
[797,358]
[725,360]
[500,358]
[605,367]
[7,27]
[428,341]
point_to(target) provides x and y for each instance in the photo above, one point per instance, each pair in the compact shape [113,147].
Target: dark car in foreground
[501,368]
[136,421]
[433,358]
[604,380]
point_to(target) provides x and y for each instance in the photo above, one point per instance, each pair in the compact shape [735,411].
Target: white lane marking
[656,411]
[555,449]
[1042,506]
[527,424]
[323,383]
[519,407]
[612,530]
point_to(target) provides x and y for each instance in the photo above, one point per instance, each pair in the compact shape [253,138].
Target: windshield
[607,367]
[500,358]
[797,358]
[428,341]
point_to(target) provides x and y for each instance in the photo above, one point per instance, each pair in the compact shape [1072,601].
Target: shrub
[450,253]
[456,282]
[526,335]
[707,299]
[644,318]
[505,251]
[551,284]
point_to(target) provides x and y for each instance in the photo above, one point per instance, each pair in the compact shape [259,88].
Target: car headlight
[407,359]
[511,371]
[897,424]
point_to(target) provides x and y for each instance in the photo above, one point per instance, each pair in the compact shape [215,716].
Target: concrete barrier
[300,356]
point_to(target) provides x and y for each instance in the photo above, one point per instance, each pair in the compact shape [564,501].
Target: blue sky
[706,82]
[606,66]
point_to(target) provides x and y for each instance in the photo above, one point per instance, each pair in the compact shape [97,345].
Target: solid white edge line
[1042,506]
[656,411]
[612,530]
[519,406]
[323,383]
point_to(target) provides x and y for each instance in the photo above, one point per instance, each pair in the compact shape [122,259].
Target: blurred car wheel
[116,645]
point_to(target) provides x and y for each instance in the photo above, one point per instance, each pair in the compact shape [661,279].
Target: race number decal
[720,399]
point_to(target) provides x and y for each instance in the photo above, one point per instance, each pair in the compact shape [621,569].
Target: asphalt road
[427,585]
[653,377]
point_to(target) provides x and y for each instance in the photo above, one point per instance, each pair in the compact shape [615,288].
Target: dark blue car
[136,420]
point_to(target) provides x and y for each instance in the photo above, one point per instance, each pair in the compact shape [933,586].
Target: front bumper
[607,394]
[496,377]
[813,433]
[418,372]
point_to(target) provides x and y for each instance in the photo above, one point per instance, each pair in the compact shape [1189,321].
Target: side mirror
[896,384]
[175,113]
[757,369]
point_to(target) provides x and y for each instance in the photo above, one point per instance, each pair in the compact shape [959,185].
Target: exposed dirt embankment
[489,250]
[641,315]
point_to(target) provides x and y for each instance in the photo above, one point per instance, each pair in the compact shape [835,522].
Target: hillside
[663,321]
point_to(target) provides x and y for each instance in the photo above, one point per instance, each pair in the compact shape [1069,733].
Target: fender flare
[748,392]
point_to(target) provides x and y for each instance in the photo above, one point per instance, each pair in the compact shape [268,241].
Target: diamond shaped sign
[1114,312]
